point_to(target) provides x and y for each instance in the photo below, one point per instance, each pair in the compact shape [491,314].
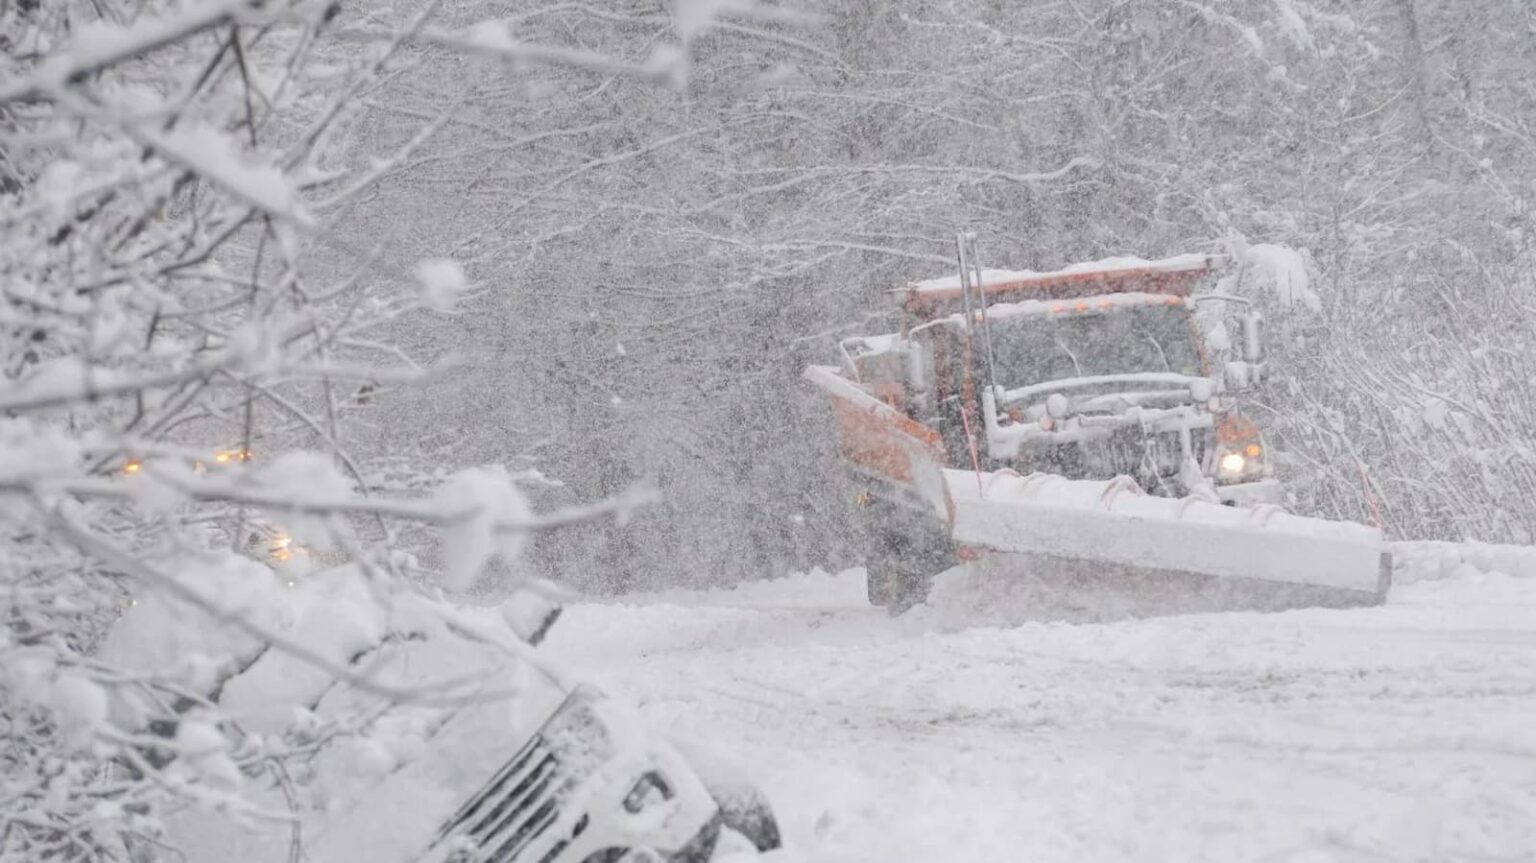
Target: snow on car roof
[995,280]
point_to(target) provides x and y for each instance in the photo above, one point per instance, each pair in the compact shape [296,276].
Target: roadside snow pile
[992,592]
[975,595]
[373,682]
[1433,561]
[669,622]
[163,636]
[812,590]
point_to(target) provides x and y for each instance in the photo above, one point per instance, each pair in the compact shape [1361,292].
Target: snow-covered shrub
[1418,413]
[162,320]
[184,303]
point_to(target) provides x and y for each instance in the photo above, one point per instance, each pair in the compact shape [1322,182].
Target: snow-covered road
[1406,732]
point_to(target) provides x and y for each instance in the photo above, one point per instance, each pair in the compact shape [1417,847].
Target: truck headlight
[1239,448]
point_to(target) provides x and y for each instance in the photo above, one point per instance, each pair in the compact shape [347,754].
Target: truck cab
[1092,372]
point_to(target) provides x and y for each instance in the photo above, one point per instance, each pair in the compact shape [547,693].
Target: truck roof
[1052,308]
[1175,275]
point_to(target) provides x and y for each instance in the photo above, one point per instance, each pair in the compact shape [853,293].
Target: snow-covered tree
[193,307]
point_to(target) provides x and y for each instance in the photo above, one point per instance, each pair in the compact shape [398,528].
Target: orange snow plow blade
[880,442]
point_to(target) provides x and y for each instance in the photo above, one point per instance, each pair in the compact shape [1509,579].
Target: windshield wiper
[1160,352]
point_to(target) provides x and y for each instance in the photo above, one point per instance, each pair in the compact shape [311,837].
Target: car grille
[519,803]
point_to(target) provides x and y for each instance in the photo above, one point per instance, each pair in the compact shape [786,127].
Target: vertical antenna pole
[970,329]
[970,279]
[965,282]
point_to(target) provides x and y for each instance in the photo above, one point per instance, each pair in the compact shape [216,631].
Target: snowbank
[1427,561]
[816,589]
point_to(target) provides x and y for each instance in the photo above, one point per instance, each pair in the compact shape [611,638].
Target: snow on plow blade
[1112,550]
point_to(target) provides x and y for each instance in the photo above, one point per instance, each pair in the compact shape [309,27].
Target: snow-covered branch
[103,45]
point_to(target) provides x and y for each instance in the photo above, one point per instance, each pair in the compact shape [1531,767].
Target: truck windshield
[1153,338]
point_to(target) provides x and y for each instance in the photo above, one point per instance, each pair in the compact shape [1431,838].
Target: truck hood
[1110,394]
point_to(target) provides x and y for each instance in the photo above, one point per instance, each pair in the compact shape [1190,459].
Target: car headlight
[280,547]
[648,790]
[577,731]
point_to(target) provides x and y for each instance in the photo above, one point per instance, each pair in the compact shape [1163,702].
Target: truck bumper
[1264,491]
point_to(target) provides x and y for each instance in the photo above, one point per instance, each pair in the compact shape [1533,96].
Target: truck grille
[519,803]
[1126,452]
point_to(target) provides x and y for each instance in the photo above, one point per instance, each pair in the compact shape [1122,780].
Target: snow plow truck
[1080,428]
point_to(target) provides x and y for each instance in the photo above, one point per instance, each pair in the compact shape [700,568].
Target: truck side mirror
[1253,338]
[1238,375]
[919,383]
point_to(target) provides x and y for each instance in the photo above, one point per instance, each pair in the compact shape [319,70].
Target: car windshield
[1035,349]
